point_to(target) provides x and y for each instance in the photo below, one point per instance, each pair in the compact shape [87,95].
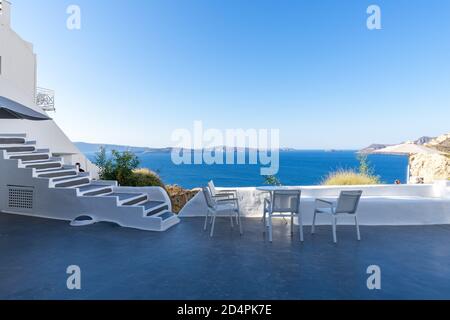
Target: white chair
[219,194]
[347,205]
[285,203]
[229,205]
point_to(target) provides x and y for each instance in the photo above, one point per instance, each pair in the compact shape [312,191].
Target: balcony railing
[45,98]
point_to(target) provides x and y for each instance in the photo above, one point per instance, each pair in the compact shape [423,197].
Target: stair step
[14,135]
[167,215]
[52,170]
[60,173]
[73,183]
[63,179]
[152,207]
[31,156]
[12,140]
[91,187]
[43,165]
[94,189]
[129,199]
[136,201]
[99,192]
[18,148]
[26,162]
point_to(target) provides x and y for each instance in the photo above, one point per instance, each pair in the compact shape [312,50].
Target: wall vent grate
[20,197]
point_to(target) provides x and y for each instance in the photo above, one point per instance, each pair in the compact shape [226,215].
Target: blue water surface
[296,168]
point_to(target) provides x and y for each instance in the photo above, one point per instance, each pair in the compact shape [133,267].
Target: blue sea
[296,168]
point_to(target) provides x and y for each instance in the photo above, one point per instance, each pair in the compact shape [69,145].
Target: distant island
[95,147]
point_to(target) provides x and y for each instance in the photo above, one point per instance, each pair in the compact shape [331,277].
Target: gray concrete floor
[184,263]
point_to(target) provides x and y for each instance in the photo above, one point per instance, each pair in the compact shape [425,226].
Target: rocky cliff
[442,143]
[428,167]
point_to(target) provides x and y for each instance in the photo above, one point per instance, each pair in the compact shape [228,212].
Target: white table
[276,188]
[272,189]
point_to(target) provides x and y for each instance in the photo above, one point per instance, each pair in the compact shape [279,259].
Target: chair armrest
[225,194]
[227,190]
[322,201]
[227,200]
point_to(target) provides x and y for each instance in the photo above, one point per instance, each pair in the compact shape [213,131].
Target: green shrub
[364,176]
[364,165]
[349,177]
[272,181]
[123,167]
[105,165]
[146,178]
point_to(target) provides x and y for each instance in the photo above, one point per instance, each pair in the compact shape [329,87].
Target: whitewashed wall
[380,205]
[18,74]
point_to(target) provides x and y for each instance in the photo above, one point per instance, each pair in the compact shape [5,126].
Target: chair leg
[313,228]
[238,210]
[206,220]
[292,224]
[300,226]
[239,223]
[270,227]
[334,230]
[231,219]
[264,222]
[213,224]
[357,228]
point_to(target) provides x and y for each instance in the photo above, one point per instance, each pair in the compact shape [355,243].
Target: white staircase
[34,183]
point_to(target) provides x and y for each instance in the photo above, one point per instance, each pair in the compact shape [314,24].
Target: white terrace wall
[18,63]
[380,205]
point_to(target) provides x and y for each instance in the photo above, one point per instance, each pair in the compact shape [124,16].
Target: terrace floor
[184,263]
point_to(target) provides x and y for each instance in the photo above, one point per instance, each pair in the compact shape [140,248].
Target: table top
[276,188]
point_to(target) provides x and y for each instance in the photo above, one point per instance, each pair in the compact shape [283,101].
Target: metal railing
[45,98]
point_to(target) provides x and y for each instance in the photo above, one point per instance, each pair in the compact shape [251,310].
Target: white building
[38,176]
[18,82]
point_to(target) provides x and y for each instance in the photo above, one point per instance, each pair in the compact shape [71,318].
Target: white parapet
[442,189]
[380,205]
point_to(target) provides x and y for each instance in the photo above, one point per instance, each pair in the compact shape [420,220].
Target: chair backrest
[348,201]
[212,188]
[286,201]
[211,203]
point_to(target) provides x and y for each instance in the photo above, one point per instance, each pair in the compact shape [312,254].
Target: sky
[138,70]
